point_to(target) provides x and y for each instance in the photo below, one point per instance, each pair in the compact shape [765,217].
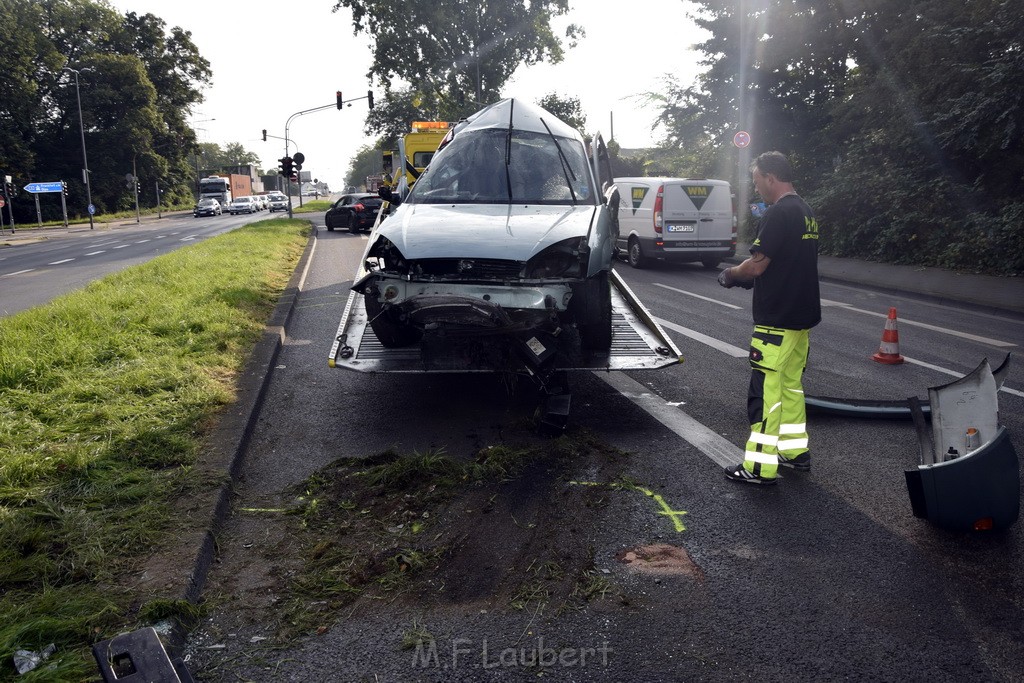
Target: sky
[268,65]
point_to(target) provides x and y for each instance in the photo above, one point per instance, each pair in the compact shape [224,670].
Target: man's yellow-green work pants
[775,400]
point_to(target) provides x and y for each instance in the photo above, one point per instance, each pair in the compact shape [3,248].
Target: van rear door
[681,213]
[698,218]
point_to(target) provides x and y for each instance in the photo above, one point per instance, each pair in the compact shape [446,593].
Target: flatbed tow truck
[638,343]
[462,309]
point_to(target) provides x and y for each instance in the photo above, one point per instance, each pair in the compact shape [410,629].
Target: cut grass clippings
[371,526]
[106,396]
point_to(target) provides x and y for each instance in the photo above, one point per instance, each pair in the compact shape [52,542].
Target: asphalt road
[826,576]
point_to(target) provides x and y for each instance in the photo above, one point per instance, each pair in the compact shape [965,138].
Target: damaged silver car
[507,234]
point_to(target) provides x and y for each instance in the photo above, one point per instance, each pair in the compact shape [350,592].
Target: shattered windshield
[541,169]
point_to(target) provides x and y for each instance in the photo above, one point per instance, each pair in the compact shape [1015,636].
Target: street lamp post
[85,158]
[198,192]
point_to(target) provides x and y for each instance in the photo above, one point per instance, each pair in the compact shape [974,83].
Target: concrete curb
[230,439]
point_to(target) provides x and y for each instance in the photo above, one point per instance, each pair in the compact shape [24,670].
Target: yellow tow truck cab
[416,149]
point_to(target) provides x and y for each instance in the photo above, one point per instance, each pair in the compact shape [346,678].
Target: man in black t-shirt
[783,270]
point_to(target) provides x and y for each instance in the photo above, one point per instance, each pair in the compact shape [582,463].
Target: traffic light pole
[338,103]
[287,124]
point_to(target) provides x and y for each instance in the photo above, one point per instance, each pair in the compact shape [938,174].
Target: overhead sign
[741,139]
[40,188]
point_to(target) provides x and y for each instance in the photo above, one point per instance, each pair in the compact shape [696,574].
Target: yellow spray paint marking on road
[666,509]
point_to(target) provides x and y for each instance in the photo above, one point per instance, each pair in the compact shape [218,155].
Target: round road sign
[741,139]
[92,210]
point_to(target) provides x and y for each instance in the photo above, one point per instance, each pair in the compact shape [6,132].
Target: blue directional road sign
[40,188]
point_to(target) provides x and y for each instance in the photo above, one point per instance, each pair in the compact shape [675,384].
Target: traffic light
[286,166]
[340,101]
[264,135]
[369,98]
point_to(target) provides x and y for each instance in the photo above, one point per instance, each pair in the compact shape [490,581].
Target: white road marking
[954,373]
[933,328]
[187,239]
[707,441]
[737,352]
[57,263]
[18,272]
[697,296]
[727,349]
[919,302]
[94,253]
[142,241]
[121,246]
[305,271]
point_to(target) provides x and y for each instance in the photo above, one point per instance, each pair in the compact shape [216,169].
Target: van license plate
[680,228]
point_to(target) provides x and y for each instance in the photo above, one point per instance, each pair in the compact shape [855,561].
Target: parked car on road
[242,205]
[207,207]
[353,211]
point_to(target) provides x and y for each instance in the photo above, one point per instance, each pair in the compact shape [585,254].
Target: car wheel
[636,254]
[391,332]
[596,307]
[710,262]
[352,228]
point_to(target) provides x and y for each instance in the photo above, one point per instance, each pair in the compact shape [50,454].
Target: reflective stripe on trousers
[775,399]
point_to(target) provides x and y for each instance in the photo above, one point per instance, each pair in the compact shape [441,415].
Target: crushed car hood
[494,231]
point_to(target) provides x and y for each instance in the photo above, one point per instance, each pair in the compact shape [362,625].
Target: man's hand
[727,280]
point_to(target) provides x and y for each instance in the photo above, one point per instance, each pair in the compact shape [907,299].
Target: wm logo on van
[637,195]
[698,194]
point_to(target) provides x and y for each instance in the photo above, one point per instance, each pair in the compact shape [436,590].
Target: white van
[676,219]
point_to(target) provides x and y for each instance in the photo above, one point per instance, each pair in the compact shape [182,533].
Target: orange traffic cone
[889,350]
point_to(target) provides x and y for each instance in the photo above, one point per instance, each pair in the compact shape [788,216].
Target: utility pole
[85,158]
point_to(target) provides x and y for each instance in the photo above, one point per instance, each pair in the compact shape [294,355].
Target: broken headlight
[385,256]
[560,260]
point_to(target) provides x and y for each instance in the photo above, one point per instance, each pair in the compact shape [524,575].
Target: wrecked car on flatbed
[500,259]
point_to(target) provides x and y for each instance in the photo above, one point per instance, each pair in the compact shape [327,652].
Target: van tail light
[658,200]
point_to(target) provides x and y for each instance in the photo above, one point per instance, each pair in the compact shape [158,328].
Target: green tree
[367,161]
[903,119]
[391,119]
[136,82]
[457,55]
[568,109]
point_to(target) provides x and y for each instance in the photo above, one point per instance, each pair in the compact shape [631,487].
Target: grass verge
[106,395]
[312,206]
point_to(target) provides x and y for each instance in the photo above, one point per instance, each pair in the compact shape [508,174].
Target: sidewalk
[999,293]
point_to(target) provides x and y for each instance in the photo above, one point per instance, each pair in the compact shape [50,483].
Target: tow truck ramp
[638,343]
